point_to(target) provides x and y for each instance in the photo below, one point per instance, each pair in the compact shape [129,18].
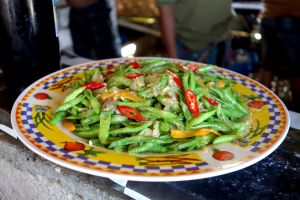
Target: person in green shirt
[192,29]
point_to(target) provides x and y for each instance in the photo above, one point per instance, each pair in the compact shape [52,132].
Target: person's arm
[167,26]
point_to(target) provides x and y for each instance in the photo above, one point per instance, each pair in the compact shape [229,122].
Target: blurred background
[138,25]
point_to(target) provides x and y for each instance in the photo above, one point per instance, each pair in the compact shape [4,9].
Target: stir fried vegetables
[154,106]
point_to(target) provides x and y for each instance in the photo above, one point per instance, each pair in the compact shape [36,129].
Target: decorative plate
[31,114]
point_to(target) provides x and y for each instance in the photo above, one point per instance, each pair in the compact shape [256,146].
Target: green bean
[95,142]
[131,104]
[203,140]
[154,66]
[139,138]
[185,110]
[192,142]
[130,140]
[224,139]
[73,110]
[80,128]
[241,127]
[104,126]
[196,121]
[71,103]
[158,149]
[58,117]
[205,68]
[92,133]
[151,60]
[94,103]
[163,80]
[192,81]
[90,120]
[229,98]
[85,102]
[232,112]
[143,148]
[119,149]
[164,101]
[164,126]
[185,80]
[148,115]
[74,94]
[218,92]
[119,81]
[206,104]
[131,129]
[117,119]
[178,122]
[191,148]
[159,113]
[217,126]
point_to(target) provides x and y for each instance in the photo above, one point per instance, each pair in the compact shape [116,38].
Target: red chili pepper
[74,146]
[132,76]
[180,67]
[109,67]
[94,85]
[211,101]
[192,67]
[135,64]
[191,101]
[175,79]
[223,155]
[256,104]
[131,113]
[108,73]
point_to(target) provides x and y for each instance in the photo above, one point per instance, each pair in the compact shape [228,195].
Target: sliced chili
[191,67]
[110,67]
[94,85]
[180,67]
[191,101]
[175,79]
[135,64]
[211,101]
[108,73]
[131,113]
[132,76]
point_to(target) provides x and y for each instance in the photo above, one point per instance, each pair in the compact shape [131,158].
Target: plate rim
[146,178]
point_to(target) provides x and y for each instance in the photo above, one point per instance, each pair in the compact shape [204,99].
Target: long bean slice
[104,126]
[131,129]
[224,139]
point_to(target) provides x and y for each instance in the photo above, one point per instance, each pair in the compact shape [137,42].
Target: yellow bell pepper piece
[68,125]
[210,84]
[106,95]
[123,93]
[191,133]
[221,84]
